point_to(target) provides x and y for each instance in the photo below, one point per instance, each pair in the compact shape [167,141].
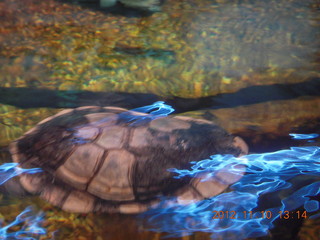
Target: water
[30,226]
[251,66]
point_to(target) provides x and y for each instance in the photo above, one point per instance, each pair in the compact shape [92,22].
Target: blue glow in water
[29,224]
[304,136]
[10,170]
[311,205]
[161,109]
[236,212]
[156,110]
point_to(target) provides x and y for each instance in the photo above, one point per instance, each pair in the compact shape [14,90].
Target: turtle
[115,160]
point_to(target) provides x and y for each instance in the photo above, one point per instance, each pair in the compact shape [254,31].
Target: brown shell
[97,159]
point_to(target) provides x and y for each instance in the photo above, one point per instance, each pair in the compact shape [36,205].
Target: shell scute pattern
[168,124]
[54,194]
[102,119]
[86,134]
[81,166]
[78,201]
[112,181]
[140,138]
[112,137]
[52,138]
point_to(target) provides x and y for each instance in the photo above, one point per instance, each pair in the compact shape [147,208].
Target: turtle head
[238,142]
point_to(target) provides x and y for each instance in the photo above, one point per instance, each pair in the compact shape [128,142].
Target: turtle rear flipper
[204,186]
[13,188]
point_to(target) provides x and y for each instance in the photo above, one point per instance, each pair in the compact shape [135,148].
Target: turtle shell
[110,159]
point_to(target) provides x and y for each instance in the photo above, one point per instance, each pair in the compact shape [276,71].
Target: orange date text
[259,214]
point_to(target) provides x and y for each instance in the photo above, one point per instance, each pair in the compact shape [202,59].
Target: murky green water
[57,54]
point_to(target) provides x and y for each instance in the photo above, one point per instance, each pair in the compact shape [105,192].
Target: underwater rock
[107,3]
[149,5]
[267,123]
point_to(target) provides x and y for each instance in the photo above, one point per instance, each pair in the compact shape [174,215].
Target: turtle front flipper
[207,185]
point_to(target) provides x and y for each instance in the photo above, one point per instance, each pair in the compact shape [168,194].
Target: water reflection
[238,214]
